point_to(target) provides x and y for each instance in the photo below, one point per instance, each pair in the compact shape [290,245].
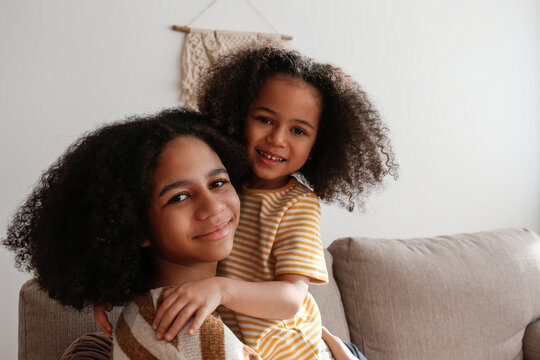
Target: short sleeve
[298,246]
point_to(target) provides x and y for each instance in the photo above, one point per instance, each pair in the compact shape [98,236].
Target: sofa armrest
[47,328]
[531,341]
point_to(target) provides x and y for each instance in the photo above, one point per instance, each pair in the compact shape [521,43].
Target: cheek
[237,207]
[172,230]
[305,149]
[252,134]
[234,203]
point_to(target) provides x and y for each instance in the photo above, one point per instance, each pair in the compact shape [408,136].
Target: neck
[259,183]
[173,274]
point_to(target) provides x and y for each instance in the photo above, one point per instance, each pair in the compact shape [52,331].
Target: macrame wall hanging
[202,47]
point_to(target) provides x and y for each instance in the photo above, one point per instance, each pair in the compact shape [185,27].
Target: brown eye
[178,198]
[264,120]
[218,183]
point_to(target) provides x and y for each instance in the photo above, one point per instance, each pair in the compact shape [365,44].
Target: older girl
[133,206]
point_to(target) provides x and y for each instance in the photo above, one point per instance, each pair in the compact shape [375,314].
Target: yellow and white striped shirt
[279,233]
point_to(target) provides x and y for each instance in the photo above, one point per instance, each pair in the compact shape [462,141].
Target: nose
[277,137]
[208,205]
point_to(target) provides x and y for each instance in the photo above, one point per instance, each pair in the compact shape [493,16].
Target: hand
[336,346]
[101,318]
[196,299]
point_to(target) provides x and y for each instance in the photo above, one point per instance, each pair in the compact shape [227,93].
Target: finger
[102,320]
[336,346]
[199,319]
[169,291]
[171,304]
[179,322]
[103,327]
[325,333]
[162,324]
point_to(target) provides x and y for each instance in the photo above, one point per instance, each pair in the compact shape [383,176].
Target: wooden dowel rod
[186,29]
[181,28]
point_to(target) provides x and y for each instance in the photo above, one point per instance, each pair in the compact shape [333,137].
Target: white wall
[457,82]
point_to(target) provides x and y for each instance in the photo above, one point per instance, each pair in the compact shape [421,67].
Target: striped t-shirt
[278,233]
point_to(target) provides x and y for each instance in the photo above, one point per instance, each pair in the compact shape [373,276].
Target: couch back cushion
[466,296]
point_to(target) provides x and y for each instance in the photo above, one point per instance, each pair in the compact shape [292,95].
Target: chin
[222,252]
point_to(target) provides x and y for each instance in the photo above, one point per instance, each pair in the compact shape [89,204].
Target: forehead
[284,81]
[186,157]
[186,144]
[287,94]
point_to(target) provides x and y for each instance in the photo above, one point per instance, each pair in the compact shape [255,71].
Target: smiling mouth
[216,232]
[270,157]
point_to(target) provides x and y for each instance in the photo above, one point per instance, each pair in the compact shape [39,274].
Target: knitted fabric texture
[203,47]
[134,337]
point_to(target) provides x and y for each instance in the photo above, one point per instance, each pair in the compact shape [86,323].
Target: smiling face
[281,128]
[194,208]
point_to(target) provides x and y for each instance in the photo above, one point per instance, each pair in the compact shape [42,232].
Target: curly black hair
[80,231]
[352,152]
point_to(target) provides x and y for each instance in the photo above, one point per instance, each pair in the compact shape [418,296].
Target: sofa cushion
[328,300]
[466,296]
[47,328]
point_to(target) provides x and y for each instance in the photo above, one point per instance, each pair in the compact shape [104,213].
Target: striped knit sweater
[279,233]
[135,339]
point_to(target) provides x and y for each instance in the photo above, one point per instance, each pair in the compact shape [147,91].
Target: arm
[336,346]
[279,299]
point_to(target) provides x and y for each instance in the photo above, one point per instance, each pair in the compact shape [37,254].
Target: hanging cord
[203,11]
[186,28]
[261,14]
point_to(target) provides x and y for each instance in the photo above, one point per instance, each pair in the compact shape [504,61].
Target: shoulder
[277,202]
[299,193]
[301,202]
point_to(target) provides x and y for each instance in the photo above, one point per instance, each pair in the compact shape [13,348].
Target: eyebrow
[182,183]
[275,113]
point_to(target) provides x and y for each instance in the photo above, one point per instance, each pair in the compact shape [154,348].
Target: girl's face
[194,208]
[281,128]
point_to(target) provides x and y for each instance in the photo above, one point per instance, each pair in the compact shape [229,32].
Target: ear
[145,243]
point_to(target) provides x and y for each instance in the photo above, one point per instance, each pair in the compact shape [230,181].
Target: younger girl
[136,205]
[295,117]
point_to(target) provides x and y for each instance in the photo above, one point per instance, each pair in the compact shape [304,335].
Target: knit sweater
[134,338]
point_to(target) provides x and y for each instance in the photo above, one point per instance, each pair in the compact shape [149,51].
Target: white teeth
[270,157]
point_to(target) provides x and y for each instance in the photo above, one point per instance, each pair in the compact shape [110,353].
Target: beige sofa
[466,296]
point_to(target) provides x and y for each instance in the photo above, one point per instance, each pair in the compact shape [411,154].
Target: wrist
[223,289]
